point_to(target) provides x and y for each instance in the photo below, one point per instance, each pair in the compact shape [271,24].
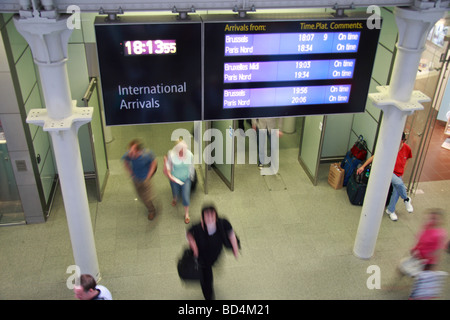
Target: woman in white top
[179,168]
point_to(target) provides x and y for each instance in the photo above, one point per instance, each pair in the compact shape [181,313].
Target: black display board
[150,69]
[256,68]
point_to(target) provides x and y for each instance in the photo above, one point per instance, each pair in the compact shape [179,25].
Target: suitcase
[349,164]
[356,191]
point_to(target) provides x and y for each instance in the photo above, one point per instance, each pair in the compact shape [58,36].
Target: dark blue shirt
[140,165]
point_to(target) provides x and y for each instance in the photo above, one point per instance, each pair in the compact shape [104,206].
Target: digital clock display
[150,69]
[143,47]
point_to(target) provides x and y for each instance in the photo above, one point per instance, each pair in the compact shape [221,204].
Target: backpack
[359,149]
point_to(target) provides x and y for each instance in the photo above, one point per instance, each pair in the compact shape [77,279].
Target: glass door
[223,132]
[11,211]
[430,80]
[97,138]
[311,143]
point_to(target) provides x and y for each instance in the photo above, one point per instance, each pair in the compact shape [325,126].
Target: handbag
[411,266]
[188,267]
[359,149]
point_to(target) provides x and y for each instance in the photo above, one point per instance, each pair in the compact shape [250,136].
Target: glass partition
[311,145]
[95,127]
[221,165]
[11,211]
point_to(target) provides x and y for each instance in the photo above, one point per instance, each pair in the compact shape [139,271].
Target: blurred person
[265,125]
[206,241]
[432,239]
[88,289]
[179,168]
[399,188]
[141,164]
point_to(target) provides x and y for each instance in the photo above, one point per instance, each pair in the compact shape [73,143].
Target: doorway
[244,160]
[425,134]
[437,161]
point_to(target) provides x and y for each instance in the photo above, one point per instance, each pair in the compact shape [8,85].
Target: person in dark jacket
[206,240]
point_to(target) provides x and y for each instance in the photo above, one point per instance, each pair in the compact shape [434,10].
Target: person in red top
[399,188]
[431,240]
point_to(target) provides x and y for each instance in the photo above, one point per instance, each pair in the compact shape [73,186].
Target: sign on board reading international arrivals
[285,67]
[150,69]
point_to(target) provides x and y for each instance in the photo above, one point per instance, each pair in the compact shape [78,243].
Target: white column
[397,102]
[48,39]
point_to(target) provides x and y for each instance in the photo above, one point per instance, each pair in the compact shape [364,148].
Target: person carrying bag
[206,242]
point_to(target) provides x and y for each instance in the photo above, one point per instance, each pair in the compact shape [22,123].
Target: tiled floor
[297,240]
[437,162]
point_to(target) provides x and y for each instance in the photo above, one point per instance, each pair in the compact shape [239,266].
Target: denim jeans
[263,145]
[399,191]
[183,192]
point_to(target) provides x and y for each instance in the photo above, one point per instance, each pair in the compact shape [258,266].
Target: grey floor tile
[297,239]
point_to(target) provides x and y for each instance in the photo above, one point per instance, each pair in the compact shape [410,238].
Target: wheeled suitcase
[356,191]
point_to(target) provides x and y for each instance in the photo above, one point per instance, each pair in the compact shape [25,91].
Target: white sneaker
[392,215]
[408,205]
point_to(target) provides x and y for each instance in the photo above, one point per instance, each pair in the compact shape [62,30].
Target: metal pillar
[397,102]
[48,39]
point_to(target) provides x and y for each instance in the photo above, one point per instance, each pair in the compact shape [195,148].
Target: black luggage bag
[356,190]
[349,164]
[188,267]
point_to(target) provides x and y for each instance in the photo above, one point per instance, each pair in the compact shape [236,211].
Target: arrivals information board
[277,68]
